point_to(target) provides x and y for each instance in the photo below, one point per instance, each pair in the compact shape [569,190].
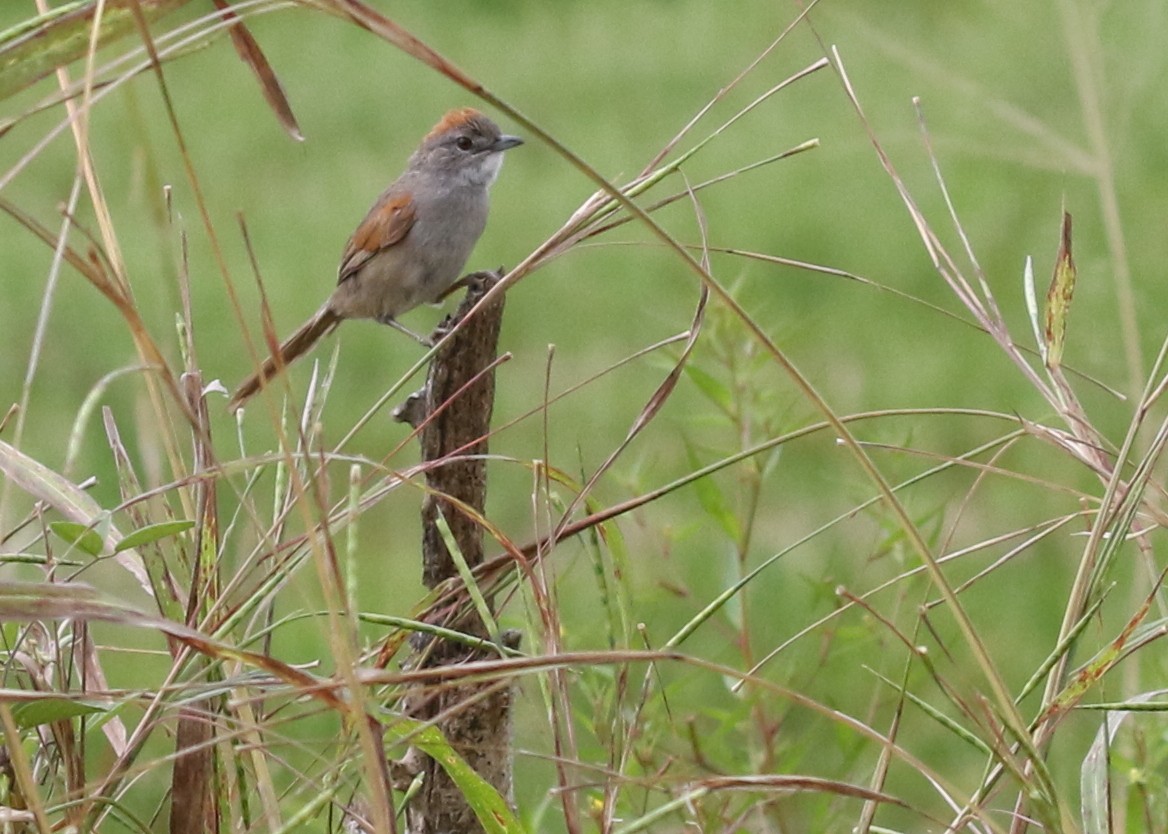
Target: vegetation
[830,444]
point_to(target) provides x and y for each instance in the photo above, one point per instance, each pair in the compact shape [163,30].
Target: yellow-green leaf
[38,46]
[1058,298]
[491,809]
[69,500]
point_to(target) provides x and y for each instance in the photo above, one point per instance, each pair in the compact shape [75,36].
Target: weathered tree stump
[455,411]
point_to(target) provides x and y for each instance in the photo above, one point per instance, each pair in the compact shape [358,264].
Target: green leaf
[717,507]
[714,502]
[81,536]
[152,533]
[46,710]
[711,387]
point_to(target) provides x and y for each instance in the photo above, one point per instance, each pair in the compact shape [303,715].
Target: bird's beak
[504,142]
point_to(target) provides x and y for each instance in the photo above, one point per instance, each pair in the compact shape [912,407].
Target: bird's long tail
[293,347]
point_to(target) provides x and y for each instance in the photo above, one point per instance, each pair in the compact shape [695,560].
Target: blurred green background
[1002,87]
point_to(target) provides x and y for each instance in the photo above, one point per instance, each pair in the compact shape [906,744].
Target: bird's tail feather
[293,347]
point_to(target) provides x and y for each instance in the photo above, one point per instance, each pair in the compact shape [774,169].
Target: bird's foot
[477,285]
[476,282]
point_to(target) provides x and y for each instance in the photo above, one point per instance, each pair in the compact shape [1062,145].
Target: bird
[413,243]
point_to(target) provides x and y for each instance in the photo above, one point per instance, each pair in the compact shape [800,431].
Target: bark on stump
[476,717]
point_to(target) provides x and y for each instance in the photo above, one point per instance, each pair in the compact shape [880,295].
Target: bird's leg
[396,325]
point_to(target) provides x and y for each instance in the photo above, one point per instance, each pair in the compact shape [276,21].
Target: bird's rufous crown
[455,119]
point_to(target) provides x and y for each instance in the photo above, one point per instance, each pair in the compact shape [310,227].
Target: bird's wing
[386,224]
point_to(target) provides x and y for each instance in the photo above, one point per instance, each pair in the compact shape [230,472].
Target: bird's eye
[464,143]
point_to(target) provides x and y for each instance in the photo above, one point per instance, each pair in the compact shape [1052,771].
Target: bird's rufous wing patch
[386,224]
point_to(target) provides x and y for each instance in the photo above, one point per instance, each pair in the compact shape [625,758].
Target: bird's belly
[386,288]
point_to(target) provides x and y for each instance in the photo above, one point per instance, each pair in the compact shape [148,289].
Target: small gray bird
[414,242]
